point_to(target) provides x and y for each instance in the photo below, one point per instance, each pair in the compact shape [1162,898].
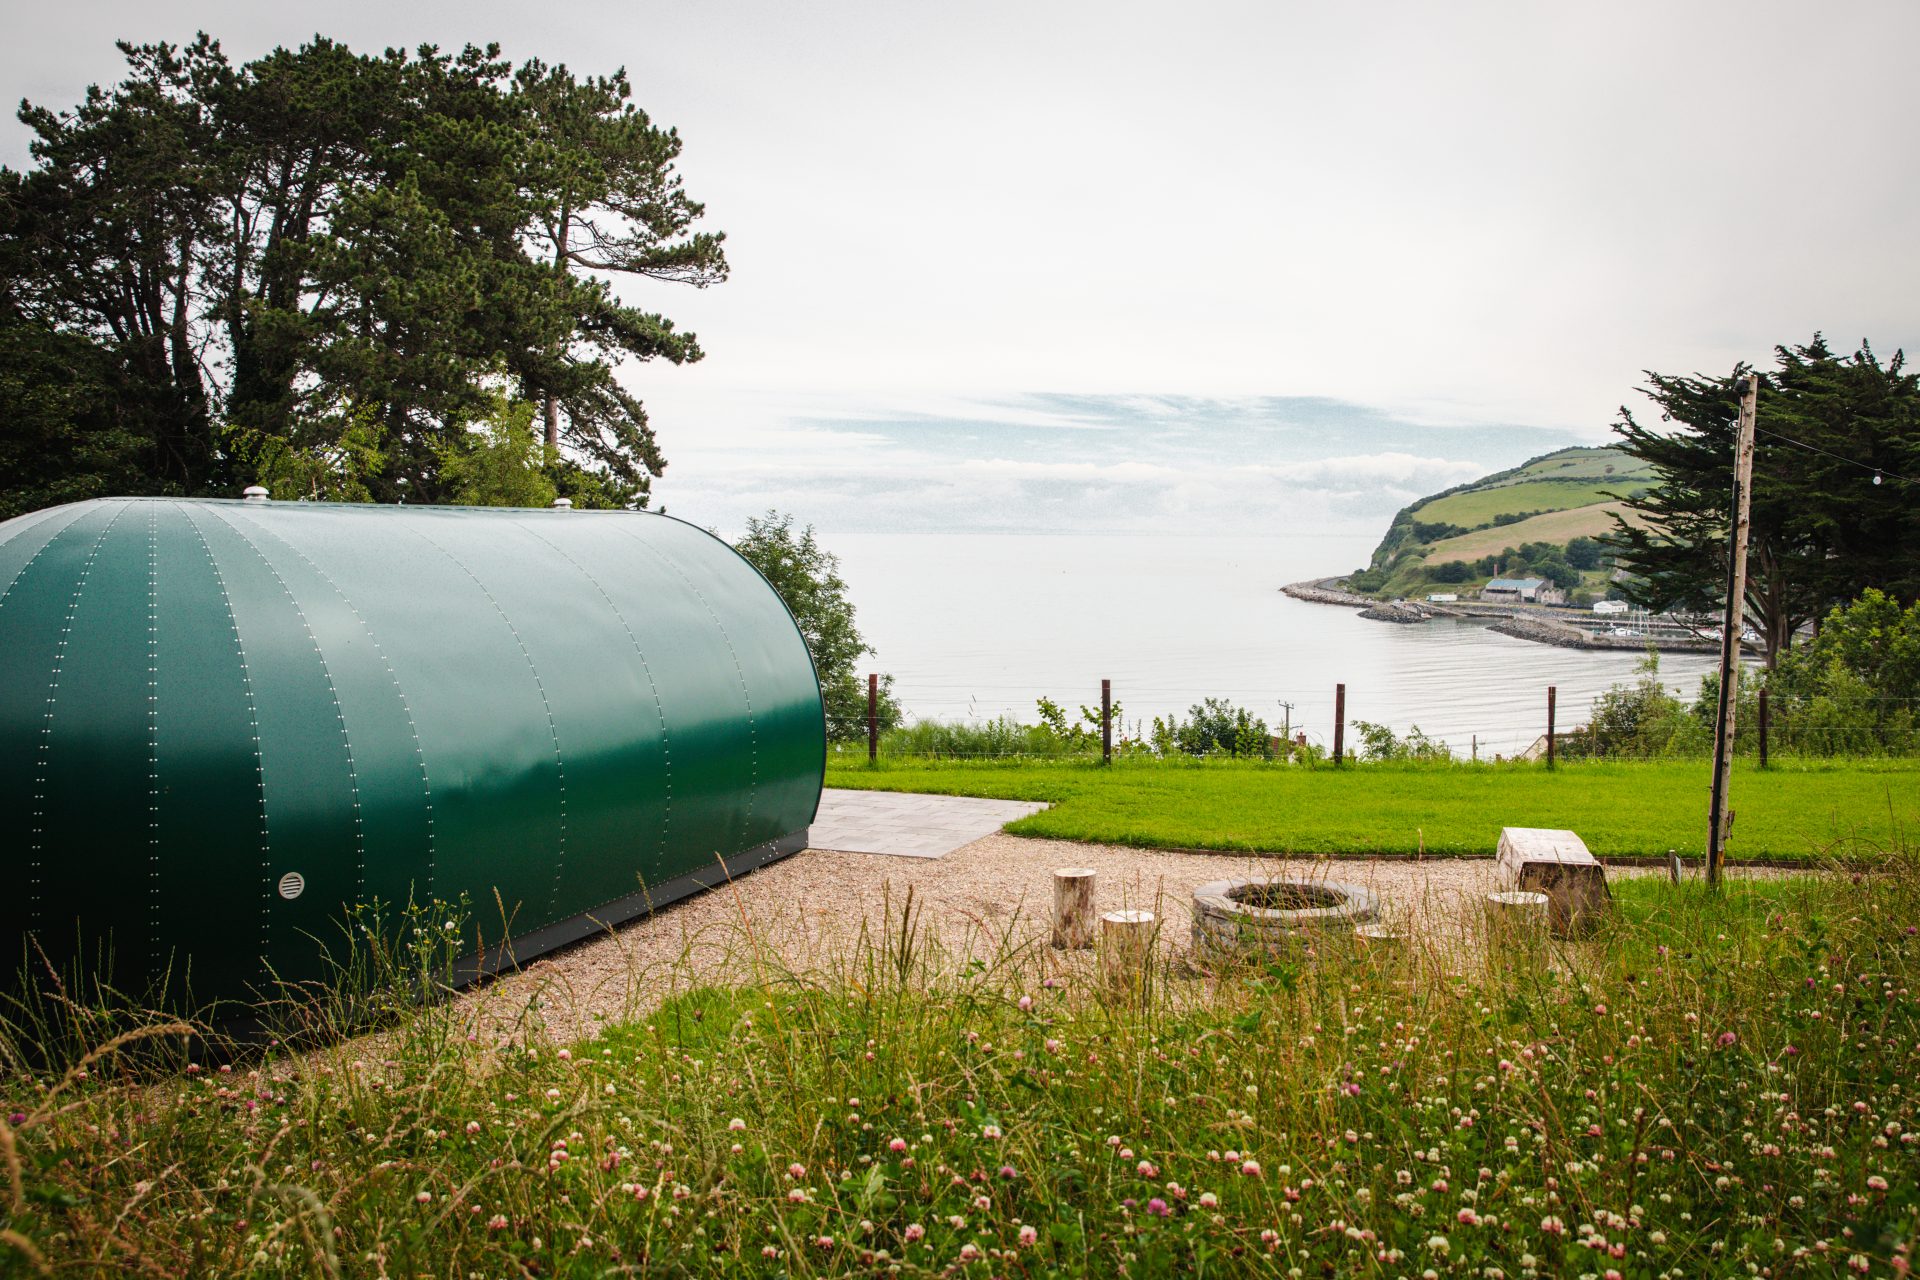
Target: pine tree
[1821,530]
[324,259]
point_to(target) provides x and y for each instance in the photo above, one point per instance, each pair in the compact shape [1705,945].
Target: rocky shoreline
[1403,611]
[1522,624]
[1319,591]
[1547,632]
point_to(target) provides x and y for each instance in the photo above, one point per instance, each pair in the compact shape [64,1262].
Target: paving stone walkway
[906,824]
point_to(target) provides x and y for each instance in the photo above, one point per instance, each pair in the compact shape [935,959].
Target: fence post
[1551,692]
[1765,720]
[1106,722]
[1339,724]
[873,718]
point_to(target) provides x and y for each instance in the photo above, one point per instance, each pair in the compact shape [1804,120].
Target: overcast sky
[1320,258]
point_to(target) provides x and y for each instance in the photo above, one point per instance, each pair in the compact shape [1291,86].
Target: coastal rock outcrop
[1401,611]
[1548,632]
[1322,591]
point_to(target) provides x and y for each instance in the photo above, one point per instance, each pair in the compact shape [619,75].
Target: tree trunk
[561,237]
[1767,597]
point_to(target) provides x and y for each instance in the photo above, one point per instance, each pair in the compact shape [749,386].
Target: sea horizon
[975,625]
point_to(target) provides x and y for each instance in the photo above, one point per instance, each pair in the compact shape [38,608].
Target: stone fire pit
[1266,914]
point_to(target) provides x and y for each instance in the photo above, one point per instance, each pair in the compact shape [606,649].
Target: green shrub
[1853,688]
[1378,742]
[1214,727]
[1368,580]
[1640,719]
[807,578]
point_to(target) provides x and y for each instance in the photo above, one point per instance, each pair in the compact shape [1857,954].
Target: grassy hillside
[1603,464]
[1549,500]
[1557,527]
[1477,507]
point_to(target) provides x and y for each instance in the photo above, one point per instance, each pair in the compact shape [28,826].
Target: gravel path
[807,913]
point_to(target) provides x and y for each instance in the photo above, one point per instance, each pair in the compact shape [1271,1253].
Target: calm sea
[976,625]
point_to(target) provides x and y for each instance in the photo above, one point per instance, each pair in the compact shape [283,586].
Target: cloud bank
[1074,464]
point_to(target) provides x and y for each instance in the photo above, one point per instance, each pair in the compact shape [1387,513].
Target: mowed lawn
[1857,809]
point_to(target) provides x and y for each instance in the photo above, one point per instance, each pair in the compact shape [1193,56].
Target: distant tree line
[344,275]
[1560,565]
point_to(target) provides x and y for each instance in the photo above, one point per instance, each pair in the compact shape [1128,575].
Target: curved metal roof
[221,722]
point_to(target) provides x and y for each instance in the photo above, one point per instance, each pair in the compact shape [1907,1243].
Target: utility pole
[1734,623]
[1286,725]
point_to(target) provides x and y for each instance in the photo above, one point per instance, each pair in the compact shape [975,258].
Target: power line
[1864,466]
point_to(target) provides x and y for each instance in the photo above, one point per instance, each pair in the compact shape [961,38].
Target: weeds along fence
[1641,720]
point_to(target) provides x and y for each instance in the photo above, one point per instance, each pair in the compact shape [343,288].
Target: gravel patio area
[808,912]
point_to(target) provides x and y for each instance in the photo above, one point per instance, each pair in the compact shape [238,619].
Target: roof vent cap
[563,504]
[255,493]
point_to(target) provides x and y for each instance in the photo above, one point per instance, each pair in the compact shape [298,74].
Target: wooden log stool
[1073,908]
[1516,927]
[1384,947]
[1126,952]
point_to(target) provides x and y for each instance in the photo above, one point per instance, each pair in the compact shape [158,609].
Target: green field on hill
[1602,463]
[1556,527]
[1558,497]
[1479,506]
[1620,808]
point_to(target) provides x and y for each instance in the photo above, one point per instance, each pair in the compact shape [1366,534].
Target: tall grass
[1714,1085]
[996,738]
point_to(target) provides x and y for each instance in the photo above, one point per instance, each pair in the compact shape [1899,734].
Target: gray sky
[985,254]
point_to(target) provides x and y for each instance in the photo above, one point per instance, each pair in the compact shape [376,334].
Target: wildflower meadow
[1713,1085]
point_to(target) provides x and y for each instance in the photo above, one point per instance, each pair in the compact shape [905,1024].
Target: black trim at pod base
[238,1025]
[514,952]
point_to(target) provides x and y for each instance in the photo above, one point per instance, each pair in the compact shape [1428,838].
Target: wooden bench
[1558,864]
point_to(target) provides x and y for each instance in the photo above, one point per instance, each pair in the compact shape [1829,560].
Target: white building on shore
[1522,591]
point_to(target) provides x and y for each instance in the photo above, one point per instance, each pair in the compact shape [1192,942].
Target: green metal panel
[564,717]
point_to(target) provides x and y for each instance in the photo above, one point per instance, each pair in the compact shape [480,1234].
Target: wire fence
[954,721]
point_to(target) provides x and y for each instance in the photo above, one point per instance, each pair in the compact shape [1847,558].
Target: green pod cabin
[224,724]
